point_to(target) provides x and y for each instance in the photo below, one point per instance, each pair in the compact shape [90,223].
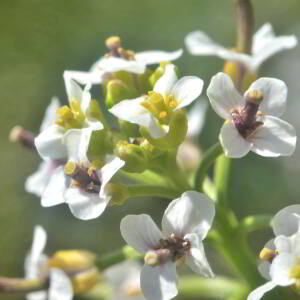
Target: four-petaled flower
[264,45]
[281,254]
[36,267]
[83,187]
[252,120]
[121,60]
[185,224]
[155,110]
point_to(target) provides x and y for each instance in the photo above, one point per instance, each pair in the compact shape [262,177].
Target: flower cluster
[91,162]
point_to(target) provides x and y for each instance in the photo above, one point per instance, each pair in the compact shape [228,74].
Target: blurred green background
[42,38]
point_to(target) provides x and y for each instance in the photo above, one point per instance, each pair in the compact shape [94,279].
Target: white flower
[125,280]
[283,267]
[49,143]
[264,45]
[153,111]
[37,182]
[252,120]
[185,224]
[36,267]
[88,194]
[110,64]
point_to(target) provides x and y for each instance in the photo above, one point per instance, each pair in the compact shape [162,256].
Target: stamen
[19,134]
[113,43]
[267,254]
[162,115]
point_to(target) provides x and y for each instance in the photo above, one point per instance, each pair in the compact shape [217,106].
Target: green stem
[235,248]
[208,159]
[222,178]
[216,288]
[22,286]
[152,191]
[116,257]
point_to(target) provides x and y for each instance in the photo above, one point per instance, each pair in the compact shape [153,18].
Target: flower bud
[84,281]
[135,158]
[118,193]
[232,69]
[129,129]
[116,91]
[72,260]
[178,127]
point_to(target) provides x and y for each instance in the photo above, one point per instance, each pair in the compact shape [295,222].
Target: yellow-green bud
[232,69]
[129,129]
[116,91]
[178,127]
[119,193]
[84,281]
[72,260]
[135,158]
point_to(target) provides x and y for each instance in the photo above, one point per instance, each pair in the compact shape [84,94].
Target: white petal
[280,267]
[196,259]
[106,173]
[49,143]
[115,64]
[166,82]
[132,111]
[223,95]
[283,244]
[261,290]
[274,138]
[85,205]
[77,143]
[54,192]
[41,295]
[266,44]
[285,222]
[73,90]
[38,243]
[196,118]
[199,43]
[140,232]
[192,212]
[37,182]
[60,287]
[50,113]
[86,98]
[233,143]
[275,94]
[159,283]
[94,77]
[186,90]
[157,56]
[264,266]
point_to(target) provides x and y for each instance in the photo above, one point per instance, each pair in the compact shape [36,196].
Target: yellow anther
[155,97]
[151,258]
[162,115]
[91,170]
[255,96]
[150,107]
[171,102]
[267,254]
[60,122]
[65,113]
[294,272]
[70,168]
[75,106]
[113,42]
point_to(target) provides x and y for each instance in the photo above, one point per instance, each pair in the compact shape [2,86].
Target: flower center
[160,107]
[172,248]
[83,177]
[245,119]
[113,43]
[70,117]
